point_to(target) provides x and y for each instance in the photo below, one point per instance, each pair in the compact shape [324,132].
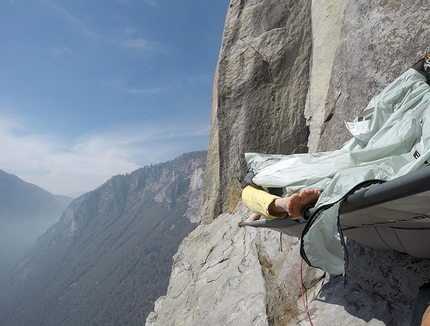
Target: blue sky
[94,88]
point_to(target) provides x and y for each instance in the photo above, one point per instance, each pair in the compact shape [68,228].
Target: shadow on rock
[380,285]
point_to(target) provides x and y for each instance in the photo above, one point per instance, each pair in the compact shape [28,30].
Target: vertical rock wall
[259,93]
[290,73]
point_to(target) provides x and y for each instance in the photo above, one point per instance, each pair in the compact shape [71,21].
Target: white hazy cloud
[143,45]
[125,40]
[148,2]
[90,160]
[57,52]
[121,86]
[139,43]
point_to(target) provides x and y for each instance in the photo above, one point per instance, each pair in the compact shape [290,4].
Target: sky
[94,88]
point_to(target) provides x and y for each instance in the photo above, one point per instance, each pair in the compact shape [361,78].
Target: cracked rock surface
[238,276]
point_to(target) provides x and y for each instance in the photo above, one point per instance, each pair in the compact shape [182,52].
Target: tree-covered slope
[109,257]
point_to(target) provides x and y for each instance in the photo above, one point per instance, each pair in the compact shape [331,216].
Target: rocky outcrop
[246,280]
[289,75]
[224,275]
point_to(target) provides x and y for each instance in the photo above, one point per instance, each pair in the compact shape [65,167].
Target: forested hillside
[109,257]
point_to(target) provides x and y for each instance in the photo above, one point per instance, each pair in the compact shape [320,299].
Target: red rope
[303,294]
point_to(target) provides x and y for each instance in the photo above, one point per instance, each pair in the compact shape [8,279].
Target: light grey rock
[226,275]
[195,191]
[379,40]
[259,93]
[327,17]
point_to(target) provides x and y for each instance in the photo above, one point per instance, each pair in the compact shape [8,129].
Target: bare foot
[295,206]
[309,197]
[253,217]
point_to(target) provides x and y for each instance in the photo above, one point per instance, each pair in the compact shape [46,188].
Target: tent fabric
[394,215]
[390,215]
[389,139]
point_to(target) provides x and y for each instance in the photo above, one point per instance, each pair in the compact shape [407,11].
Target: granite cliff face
[289,73]
[259,93]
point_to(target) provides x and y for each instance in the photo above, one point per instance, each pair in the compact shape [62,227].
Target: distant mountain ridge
[109,257]
[26,211]
[21,199]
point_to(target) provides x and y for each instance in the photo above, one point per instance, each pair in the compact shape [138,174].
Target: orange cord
[302,292]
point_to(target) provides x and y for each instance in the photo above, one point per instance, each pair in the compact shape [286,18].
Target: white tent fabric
[390,139]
